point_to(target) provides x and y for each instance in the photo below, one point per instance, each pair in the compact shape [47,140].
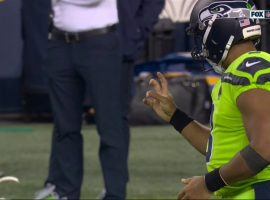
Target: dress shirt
[84,15]
[178,10]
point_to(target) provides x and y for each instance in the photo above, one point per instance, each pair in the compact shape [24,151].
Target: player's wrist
[180,120]
[214,181]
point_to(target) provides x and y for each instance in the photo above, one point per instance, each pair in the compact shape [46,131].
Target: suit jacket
[35,19]
[137,18]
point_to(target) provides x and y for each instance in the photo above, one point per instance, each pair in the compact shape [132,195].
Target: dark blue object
[137,19]
[35,15]
[262,190]
[97,64]
[10,56]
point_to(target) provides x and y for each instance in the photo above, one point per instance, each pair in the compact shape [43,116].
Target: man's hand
[195,188]
[160,100]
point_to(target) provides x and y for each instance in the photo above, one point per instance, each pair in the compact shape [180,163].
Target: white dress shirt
[178,10]
[84,15]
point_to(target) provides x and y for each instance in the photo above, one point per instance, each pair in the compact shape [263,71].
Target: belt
[69,37]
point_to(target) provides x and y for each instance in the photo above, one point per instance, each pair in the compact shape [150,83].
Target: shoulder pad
[264,78]
[253,65]
[235,80]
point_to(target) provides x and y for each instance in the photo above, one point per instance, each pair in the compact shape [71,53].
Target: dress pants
[97,63]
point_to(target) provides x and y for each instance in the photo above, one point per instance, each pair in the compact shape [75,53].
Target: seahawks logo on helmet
[225,9]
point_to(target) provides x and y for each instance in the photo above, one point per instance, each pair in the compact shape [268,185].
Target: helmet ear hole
[214,42]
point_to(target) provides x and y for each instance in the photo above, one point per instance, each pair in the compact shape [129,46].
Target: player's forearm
[252,159]
[236,170]
[197,135]
[244,165]
[194,132]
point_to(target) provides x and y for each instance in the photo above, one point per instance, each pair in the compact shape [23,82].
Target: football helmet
[217,25]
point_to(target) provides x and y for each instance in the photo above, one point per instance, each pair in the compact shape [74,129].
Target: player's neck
[238,50]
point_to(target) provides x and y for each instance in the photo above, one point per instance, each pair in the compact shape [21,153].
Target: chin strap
[217,68]
[227,49]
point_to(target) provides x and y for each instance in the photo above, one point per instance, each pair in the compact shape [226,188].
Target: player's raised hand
[160,99]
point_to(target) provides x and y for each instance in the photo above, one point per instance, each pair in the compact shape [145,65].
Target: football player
[237,146]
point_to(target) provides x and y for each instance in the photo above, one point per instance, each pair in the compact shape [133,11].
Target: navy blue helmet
[217,25]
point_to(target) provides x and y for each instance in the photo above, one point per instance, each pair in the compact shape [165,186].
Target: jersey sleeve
[253,73]
[252,86]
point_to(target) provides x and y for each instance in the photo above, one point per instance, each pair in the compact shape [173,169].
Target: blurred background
[158,156]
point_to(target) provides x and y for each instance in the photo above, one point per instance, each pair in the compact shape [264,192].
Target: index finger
[164,83]
[155,84]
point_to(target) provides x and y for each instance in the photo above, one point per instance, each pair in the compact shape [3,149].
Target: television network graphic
[260,14]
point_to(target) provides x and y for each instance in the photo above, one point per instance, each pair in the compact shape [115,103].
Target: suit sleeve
[150,11]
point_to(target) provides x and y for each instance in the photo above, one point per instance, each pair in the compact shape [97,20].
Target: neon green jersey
[228,136]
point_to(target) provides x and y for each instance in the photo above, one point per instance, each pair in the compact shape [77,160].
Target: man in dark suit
[101,58]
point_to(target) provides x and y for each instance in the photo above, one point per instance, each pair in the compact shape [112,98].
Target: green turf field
[159,157]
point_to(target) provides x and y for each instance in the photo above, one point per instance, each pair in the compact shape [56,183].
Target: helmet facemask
[198,52]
